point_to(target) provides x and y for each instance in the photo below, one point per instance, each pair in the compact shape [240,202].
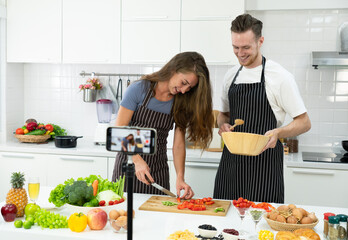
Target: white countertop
[149,225]
[86,147]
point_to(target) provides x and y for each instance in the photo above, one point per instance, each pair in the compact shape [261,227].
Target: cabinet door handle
[201,165]
[212,17]
[77,159]
[150,17]
[147,61]
[15,155]
[314,172]
[218,62]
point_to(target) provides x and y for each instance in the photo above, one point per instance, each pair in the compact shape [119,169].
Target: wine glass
[33,188]
[242,212]
[256,215]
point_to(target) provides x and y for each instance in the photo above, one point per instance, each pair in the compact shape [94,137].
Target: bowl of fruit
[207,231]
[33,132]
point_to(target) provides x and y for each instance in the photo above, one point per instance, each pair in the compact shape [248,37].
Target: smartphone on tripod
[131,140]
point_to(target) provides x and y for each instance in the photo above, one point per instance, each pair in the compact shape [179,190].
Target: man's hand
[272,142]
[226,127]
[142,169]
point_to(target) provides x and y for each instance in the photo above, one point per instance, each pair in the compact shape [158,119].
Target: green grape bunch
[51,220]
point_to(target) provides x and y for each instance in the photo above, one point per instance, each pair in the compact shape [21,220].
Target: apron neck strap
[262,73]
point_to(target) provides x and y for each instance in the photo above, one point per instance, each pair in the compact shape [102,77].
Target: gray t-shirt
[135,94]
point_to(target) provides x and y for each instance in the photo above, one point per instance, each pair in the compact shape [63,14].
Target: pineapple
[17,195]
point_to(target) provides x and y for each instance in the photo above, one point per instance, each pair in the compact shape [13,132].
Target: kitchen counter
[86,147]
[149,225]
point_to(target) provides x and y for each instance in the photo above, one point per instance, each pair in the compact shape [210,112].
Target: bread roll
[308,233]
[286,235]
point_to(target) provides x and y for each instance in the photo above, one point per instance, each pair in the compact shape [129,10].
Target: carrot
[95,187]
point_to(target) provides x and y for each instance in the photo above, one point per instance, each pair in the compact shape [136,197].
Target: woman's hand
[181,185]
[142,169]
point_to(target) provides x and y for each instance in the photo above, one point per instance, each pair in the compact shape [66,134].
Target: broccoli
[78,193]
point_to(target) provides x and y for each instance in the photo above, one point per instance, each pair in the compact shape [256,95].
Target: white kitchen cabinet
[149,42]
[205,28]
[318,187]
[32,165]
[135,10]
[34,31]
[295,4]
[210,38]
[111,164]
[208,10]
[199,175]
[63,167]
[91,31]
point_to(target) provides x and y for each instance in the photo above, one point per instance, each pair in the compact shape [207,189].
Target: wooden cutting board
[154,203]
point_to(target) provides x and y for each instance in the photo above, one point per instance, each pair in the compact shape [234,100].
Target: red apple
[8,212]
[97,219]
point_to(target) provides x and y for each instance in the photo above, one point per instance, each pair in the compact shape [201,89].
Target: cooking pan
[66,141]
[345,145]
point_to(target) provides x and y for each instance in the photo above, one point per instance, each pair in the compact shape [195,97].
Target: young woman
[178,93]
[127,143]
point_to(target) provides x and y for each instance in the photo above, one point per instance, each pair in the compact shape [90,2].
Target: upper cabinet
[205,28]
[211,10]
[91,31]
[34,31]
[295,4]
[160,10]
[150,31]
[127,32]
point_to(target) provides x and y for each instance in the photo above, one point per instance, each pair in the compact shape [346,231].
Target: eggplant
[66,141]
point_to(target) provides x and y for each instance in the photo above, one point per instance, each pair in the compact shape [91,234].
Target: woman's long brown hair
[192,111]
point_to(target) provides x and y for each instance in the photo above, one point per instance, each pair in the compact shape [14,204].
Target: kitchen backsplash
[49,92]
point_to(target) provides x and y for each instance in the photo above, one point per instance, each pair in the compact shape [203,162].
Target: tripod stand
[128,168]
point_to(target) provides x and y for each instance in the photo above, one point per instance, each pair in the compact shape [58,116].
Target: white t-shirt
[281,89]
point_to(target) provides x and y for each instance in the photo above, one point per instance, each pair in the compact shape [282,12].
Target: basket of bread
[290,218]
[299,234]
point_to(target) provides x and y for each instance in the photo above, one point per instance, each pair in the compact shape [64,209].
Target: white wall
[51,90]
[290,36]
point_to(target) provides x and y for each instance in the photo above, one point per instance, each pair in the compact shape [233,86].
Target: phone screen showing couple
[132,140]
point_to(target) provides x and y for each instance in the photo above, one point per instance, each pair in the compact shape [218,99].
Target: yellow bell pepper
[77,222]
[266,235]
[48,132]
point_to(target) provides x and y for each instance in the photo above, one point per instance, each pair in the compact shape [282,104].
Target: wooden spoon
[236,123]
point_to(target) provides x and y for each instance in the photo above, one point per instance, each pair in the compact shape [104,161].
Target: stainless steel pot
[66,141]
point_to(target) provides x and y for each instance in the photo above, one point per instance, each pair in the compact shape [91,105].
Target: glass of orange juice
[33,188]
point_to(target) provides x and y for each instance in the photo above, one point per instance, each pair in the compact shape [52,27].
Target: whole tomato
[49,127]
[20,131]
[77,222]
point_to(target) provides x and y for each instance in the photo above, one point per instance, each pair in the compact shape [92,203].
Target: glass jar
[342,228]
[326,223]
[334,223]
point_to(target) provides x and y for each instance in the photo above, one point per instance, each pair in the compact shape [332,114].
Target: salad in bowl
[84,194]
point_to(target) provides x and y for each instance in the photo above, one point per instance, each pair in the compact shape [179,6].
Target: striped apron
[158,162]
[256,178]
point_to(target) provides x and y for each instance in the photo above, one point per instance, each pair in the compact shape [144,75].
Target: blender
[104,111]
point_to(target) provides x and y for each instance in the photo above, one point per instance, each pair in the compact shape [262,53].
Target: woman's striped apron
[158,162]
[256,178]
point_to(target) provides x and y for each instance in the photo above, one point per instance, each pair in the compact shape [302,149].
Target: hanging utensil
[118,94]
[128,81]
[236,123]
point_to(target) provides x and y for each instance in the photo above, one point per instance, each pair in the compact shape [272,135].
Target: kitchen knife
[159,187]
